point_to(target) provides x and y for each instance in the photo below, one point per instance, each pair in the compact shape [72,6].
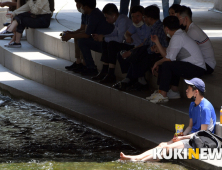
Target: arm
[22,9]
[68,36]
[189,128]
[18,4]
[204,127]
[128,37]
[161,49]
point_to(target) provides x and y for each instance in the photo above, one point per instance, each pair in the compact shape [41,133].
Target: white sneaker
[6,34]
[13,45]
[153,95]
[173,95]
[159,99]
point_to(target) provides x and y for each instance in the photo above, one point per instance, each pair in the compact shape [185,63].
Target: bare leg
[178,145]
[143,155]
[18,37]
[13,26]
[78,60]
[112,66]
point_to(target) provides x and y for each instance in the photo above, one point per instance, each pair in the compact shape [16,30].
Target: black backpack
[205,139]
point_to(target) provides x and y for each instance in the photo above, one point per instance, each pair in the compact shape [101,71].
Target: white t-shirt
[183,48]
[204,43]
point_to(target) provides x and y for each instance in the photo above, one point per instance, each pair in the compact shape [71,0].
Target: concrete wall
[218,5]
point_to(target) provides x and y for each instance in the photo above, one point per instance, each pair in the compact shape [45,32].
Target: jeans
[86,45]
[27,19]
[165,4]
[171,71]
[124,6]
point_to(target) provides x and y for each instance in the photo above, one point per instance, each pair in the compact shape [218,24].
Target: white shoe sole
[17,46]
[155,101]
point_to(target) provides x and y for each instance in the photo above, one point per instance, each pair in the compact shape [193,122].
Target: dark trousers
[86,45]
[171,71]
[111,49]
[138,69]
[209,69]
[27,19]
[124,6]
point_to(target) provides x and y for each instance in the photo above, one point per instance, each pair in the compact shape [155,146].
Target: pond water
[35,137]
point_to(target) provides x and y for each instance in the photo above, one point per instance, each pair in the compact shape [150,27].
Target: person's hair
[137,8]
[110,9]
[185,11]
[89,3]
[152,11]
[195,88]
[172,22]
[175,7]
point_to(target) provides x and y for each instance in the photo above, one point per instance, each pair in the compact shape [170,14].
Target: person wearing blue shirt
[146,57]
[202,117]
[112,43]
[96,24]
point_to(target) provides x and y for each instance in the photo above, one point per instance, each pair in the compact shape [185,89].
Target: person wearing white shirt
[199,36]
[182,58]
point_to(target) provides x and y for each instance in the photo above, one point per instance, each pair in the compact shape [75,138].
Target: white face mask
[168,35]
[139,24]
[81,10]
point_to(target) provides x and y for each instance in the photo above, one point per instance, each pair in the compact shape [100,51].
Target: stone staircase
[37,73]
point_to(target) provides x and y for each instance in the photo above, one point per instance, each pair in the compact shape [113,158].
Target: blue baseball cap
[198,83]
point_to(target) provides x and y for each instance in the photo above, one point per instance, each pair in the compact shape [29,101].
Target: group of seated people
[171,49]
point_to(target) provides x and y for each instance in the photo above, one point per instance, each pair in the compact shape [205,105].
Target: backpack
[205,139]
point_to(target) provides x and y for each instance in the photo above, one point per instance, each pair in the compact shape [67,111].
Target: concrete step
[49,70]
[140,134]
[48,40]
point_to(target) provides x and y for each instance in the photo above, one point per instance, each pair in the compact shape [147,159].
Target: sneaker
[153,95]
[6,34]
[173,95]
[159,99]
[13,45]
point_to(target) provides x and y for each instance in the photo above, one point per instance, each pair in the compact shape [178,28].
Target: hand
[155,49]
[129,40]
[155,68]
[154,38]
[97,37]
[69,32]
[66,37]
[126,54]
[178,138]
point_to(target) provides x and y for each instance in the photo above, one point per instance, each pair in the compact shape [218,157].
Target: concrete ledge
[49,70]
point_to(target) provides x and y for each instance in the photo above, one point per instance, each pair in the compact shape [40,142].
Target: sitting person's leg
[170,73]
[104,59]
[113,49]
[78,64]
[86,45]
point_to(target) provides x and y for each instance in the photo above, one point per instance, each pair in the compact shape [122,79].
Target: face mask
[183,27]
[139,24]
[168,35]
[81,10]
[193,99]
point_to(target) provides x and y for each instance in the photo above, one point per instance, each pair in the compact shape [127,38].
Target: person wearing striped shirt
[199,36]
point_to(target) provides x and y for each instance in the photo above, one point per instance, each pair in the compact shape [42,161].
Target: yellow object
[179,129]
[221,115]
[195,154]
